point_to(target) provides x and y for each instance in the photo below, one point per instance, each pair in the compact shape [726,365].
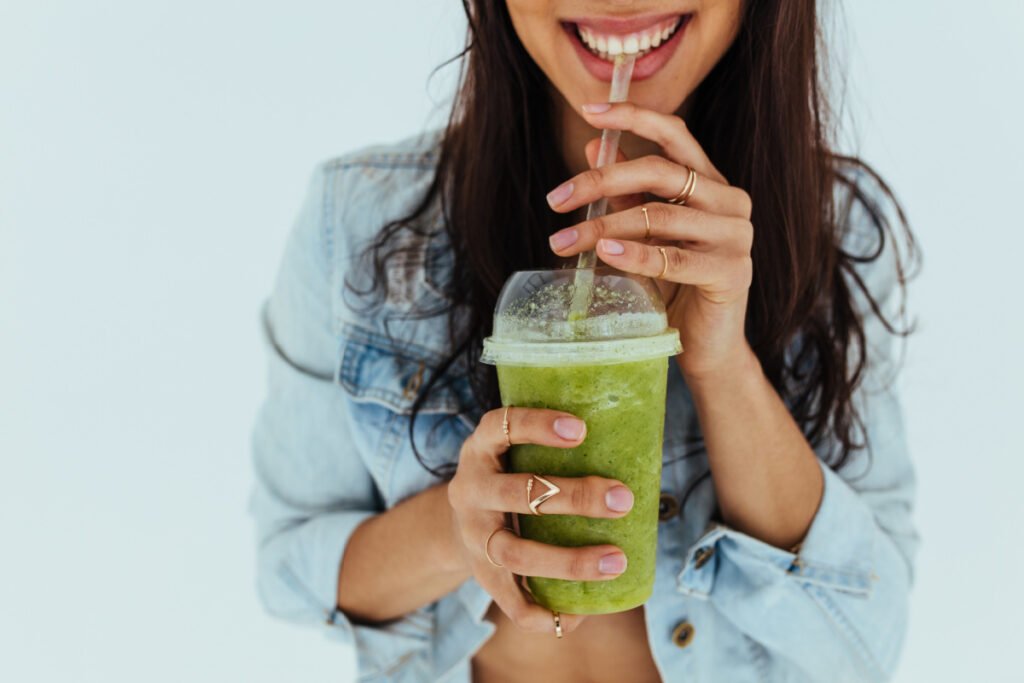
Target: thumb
[620,202]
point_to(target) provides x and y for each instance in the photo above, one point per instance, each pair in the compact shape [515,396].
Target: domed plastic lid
[545,318]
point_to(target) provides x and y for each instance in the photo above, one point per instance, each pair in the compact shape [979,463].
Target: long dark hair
[762,118]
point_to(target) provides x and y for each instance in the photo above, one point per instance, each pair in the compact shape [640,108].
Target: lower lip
[645,67]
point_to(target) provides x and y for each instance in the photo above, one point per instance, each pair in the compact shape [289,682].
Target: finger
[654,174]
[526,425]
[615,203]
[685,266]
[592,496]
[668,130]
[532,558]
[503,586]
[668,222]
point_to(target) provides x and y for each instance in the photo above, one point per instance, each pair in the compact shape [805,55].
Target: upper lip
[621,25]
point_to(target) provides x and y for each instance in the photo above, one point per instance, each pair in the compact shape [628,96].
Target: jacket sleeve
[846,590]
[311,487]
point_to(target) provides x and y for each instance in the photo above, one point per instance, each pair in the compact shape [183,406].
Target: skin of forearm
[401,559]
[766,475]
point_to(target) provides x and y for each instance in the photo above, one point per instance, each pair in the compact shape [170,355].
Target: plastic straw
[621,77]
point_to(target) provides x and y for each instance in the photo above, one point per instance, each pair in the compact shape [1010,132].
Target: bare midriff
[606,648]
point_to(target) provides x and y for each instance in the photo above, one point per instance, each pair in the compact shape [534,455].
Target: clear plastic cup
[607,366]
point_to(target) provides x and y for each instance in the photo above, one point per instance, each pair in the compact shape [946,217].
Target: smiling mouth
[606,44]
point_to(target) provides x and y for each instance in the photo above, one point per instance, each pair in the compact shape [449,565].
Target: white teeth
[608,46]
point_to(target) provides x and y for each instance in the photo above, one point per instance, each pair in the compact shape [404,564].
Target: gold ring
[558,623]
[487,543]
[542,498]
[664,258]
[688,188]
[504,427]
[647,221]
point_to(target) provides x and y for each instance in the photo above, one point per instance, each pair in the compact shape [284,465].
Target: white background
[152,157]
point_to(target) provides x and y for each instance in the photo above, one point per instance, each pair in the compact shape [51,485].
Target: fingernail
[611,247]
[597,107]
[564,238]
[612,564]
[569,428]
[619,499]
[560,194]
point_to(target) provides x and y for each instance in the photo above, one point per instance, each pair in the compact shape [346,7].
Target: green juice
[623,405]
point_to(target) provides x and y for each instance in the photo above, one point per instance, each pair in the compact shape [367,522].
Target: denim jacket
[331,449]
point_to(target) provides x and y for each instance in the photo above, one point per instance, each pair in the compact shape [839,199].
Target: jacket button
[701,557]
[668,507]
[682,635]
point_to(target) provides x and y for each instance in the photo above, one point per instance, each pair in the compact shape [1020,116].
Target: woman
[785,546]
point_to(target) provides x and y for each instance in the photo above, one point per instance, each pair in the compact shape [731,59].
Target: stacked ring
[687,191]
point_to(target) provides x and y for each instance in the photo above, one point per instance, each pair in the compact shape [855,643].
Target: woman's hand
[706,265]
[481,495]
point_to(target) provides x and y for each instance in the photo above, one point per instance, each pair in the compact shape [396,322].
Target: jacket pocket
[376,369]
[383,378]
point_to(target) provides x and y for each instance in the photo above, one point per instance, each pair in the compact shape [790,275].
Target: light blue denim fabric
[331,449]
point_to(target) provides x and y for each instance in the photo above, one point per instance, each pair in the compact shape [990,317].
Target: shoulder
[366,188]
[382,175]
[351,199]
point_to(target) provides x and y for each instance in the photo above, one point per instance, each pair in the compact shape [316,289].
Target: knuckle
[747,233]
[582,496]
[741,235]
[579,564]
[600,227]
[527,421]
[679,259]
[510,489]
[661,212]
[745,272]
[594,176]
[667,134]
[746,204]
[661,165]
[490,420]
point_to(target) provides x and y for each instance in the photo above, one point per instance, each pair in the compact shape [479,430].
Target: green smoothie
[608,365]
[623,406]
